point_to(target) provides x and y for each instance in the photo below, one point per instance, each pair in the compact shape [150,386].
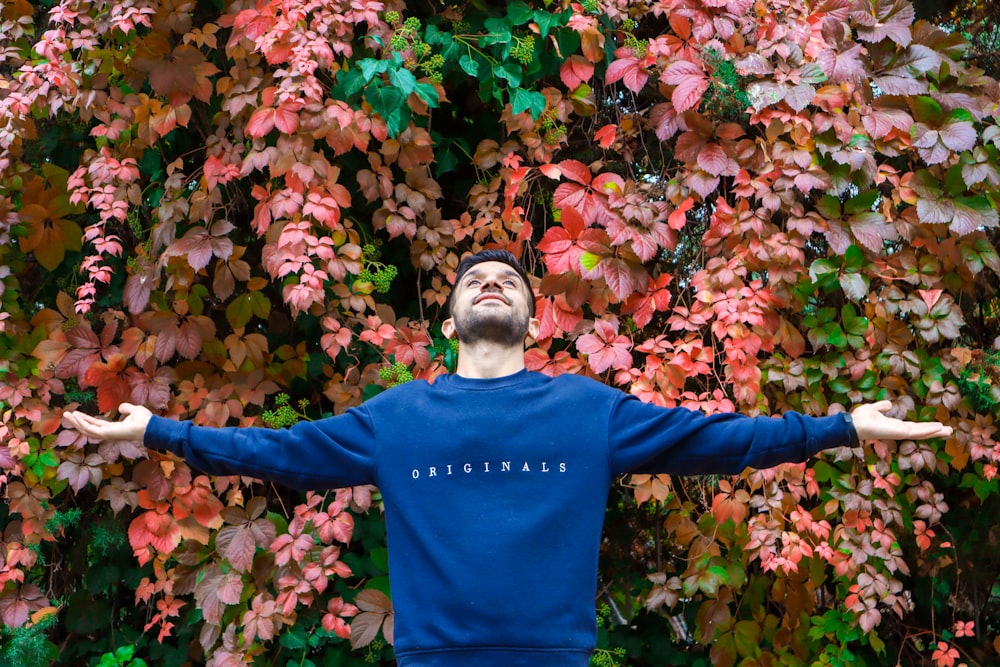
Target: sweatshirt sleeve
[645,438]
[328,453]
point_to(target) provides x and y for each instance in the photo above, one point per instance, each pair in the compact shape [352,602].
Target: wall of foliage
[249,213]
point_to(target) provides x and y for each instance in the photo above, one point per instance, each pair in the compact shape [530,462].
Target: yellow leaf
[959,454]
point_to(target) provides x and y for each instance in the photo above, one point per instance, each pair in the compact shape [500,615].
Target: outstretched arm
[327,453]
[132,427]
[871,423]
[648,439]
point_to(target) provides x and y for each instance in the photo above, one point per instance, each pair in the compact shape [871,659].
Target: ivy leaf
[526,100]
[519,12]
[428,93]
[387,102]
[469,65]
[509,72]
[403,79]
[547,21]
[498,32]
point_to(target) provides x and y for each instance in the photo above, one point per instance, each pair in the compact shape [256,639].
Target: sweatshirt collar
[486,384]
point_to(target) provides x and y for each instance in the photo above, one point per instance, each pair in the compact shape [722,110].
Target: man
[495,479]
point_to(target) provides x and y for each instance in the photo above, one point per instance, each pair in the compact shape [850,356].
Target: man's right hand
[132,427]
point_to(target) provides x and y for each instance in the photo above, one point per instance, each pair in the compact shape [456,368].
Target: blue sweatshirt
[495,492]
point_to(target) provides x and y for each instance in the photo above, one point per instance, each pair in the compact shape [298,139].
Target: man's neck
[488,360]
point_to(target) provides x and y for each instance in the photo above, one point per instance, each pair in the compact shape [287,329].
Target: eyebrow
[473,273]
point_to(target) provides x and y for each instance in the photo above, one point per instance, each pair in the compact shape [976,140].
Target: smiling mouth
[498,297]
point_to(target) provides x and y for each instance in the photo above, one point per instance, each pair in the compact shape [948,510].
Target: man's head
[491,301]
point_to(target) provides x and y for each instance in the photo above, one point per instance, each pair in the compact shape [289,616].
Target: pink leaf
[958,135]
[713,159]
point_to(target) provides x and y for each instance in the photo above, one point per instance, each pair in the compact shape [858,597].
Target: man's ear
[448,328]
[533,327]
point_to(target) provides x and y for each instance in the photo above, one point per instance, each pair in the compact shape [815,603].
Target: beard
[506,328]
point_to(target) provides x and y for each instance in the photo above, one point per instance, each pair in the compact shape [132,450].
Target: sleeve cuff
[852,432]
[163,434]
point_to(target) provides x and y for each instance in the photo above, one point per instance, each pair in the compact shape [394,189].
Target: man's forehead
[484,268]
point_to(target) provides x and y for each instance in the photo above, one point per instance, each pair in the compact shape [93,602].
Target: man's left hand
[871,424]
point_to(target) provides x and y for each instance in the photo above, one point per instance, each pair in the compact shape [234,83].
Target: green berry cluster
[639,46]
[283,415]
[396,374]
[554,131]
[374,276]
[405,34]
[406,37]
[379,275]
[453,344]
[432,67]
[607,657]
[523,50]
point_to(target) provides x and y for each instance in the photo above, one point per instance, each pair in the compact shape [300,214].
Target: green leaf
[432,35]
[510,72]
[821,268]
[239,312]
[403,79]
[954,182]
[518,12]
[546,21]
[385,100]
[835,335]
[829,207]
[853,323]
[469,65]
[568,40]
[863,202]
[589,260]
[526,100]
[961,115]
[854,258]
[428,93]
[811,73]
[839,385]
[370,67]
[260,305]
[498,32]
[927,110]
[349,83]
[747,636]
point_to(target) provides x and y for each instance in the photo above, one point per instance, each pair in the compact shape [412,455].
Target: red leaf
[629,69]
[286,118]
[261,122]
[576,70]
[606,135]
[690,81]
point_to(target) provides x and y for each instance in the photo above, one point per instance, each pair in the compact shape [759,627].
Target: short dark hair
[494,255]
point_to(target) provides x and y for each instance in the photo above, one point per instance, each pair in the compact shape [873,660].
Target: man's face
[491,304]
